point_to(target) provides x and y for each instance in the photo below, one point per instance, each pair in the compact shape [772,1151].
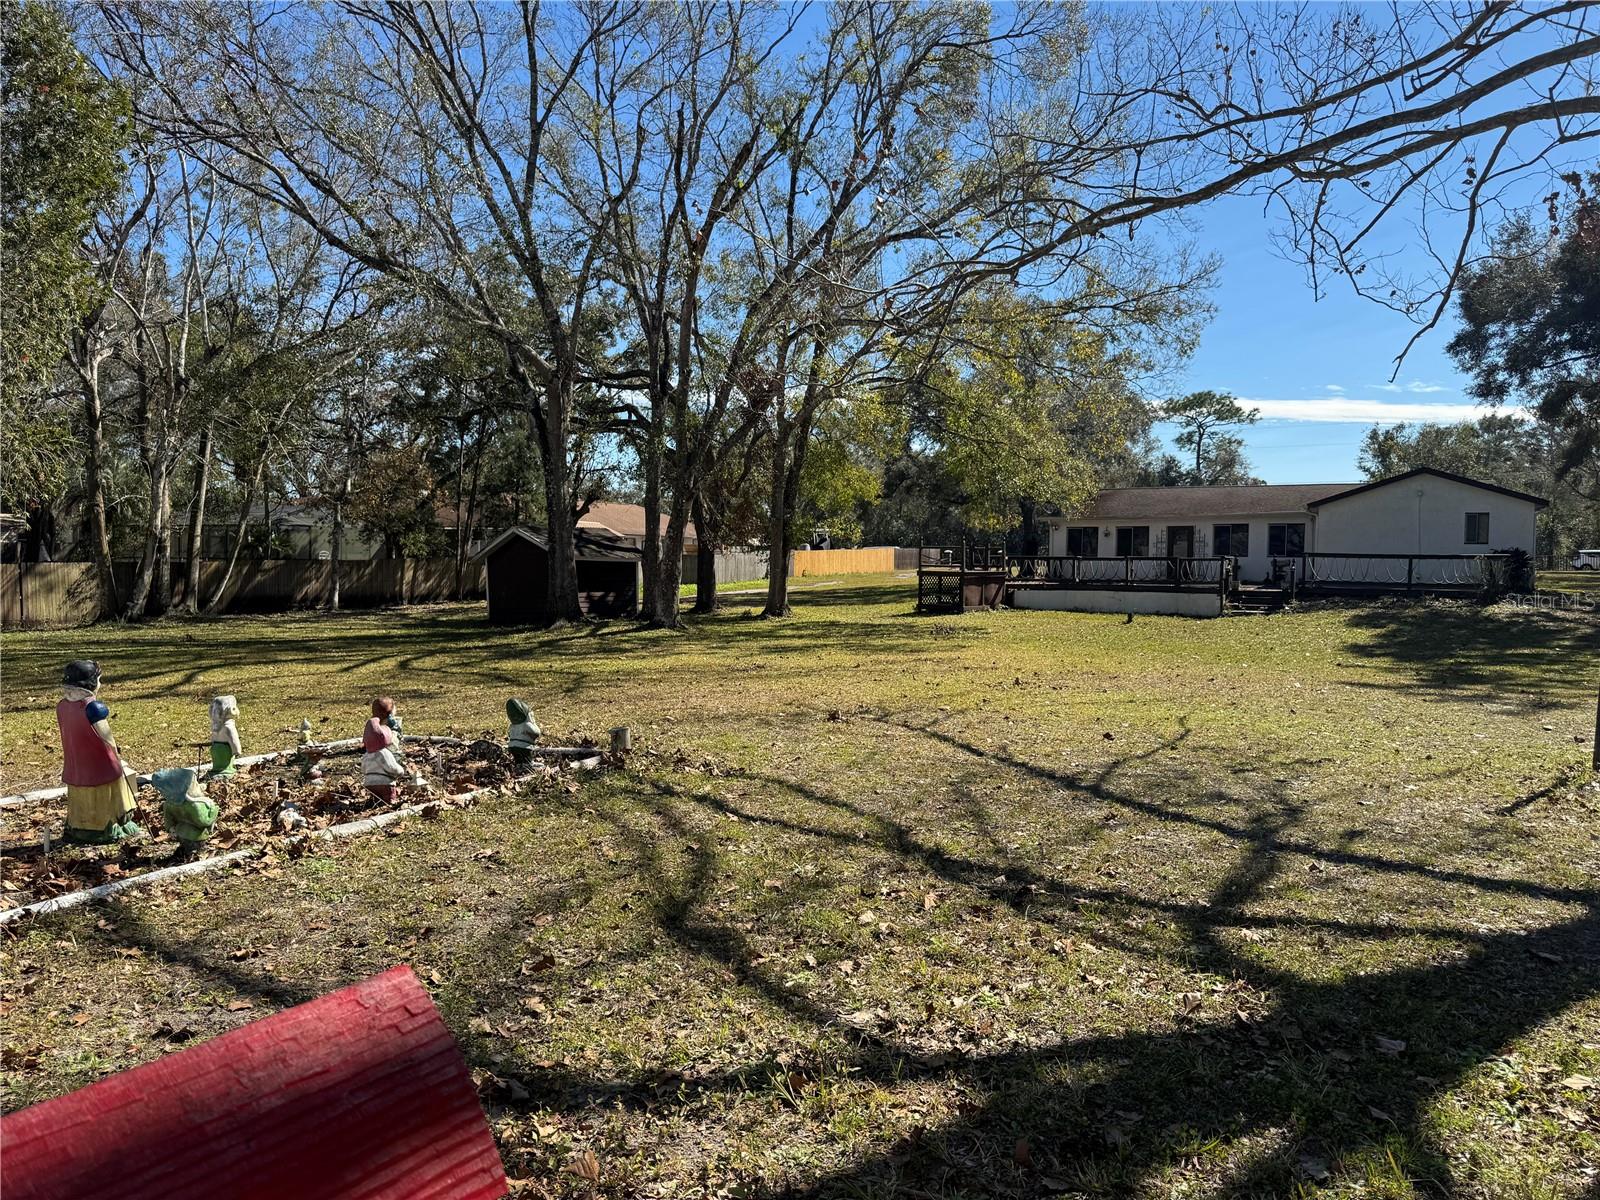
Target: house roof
[1357,489]
[1144,503]
[1243,500]
[590,545]
[624,520]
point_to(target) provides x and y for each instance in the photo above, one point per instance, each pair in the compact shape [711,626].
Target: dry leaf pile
[36,865]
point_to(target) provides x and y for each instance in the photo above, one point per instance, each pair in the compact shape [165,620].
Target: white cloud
[1332,387]
[1366,412]
[1415,386]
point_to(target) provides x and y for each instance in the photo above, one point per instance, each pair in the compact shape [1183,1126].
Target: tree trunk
[346,482]
[1030,525]
[561,585]
[650,460]
[157,544]
[144,576]
[778,529]
[788,466]
[95,482]
[464,536]
[670,572]
[705,560]
[161,583]
[197,522]
[461,457]
[561,594]
[337,550]
[215,602]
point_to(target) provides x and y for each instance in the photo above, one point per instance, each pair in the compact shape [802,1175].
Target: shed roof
[590,544]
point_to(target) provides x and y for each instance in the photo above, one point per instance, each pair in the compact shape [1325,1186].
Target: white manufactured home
[1194,549]
[1423,513]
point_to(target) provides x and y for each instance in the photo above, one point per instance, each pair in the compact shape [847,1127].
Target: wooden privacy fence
[733,566]
[66,593]
[865,561]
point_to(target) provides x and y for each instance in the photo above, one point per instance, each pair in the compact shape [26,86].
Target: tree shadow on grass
[1334,1073]
[1337,1075]
[155,660]
[1451,648]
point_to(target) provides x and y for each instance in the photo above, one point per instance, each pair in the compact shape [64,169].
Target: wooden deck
[963,578]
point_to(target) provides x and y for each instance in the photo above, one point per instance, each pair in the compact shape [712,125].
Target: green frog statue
[187,812]
[224,736]
[524,733]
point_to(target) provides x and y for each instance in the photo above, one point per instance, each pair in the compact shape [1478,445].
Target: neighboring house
[1422,512]
[303,529]
[626,521]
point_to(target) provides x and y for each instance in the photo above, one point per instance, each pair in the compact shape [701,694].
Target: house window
[1286,540]
[1231,539]
[1083,543]
[1477,529]
[1133,540]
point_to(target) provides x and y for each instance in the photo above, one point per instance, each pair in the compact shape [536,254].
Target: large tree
[1205,422]
[62,130]
[1530,325]
[418,141]
[759,233]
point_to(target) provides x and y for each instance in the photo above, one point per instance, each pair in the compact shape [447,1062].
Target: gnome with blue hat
[187,812]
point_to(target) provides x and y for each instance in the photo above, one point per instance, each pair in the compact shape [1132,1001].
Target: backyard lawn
[1012,904]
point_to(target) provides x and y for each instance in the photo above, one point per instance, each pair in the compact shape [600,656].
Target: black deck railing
[965,557]
[1380,573]
[1126,571]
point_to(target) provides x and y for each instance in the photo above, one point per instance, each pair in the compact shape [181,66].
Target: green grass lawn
[1013,904]
[1579,583]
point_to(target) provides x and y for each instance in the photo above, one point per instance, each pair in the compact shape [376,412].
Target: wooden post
[1411,571]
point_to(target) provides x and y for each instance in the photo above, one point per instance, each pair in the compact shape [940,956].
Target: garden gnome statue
[187,812]
[99,798]
[380,765]
[224,736]
[524,733]
[305,731]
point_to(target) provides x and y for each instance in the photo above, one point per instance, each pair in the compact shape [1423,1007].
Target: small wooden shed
[517,566]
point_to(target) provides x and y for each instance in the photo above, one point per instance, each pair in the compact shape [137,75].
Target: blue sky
[1306,363]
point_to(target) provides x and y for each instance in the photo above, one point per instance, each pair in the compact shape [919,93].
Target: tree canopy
[1530,324]
[1204,421]
[62,131]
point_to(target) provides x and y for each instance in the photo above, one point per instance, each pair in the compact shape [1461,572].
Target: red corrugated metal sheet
[360,1095]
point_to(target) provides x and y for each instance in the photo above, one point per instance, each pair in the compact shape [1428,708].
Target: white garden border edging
[249,760]
[581,759]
